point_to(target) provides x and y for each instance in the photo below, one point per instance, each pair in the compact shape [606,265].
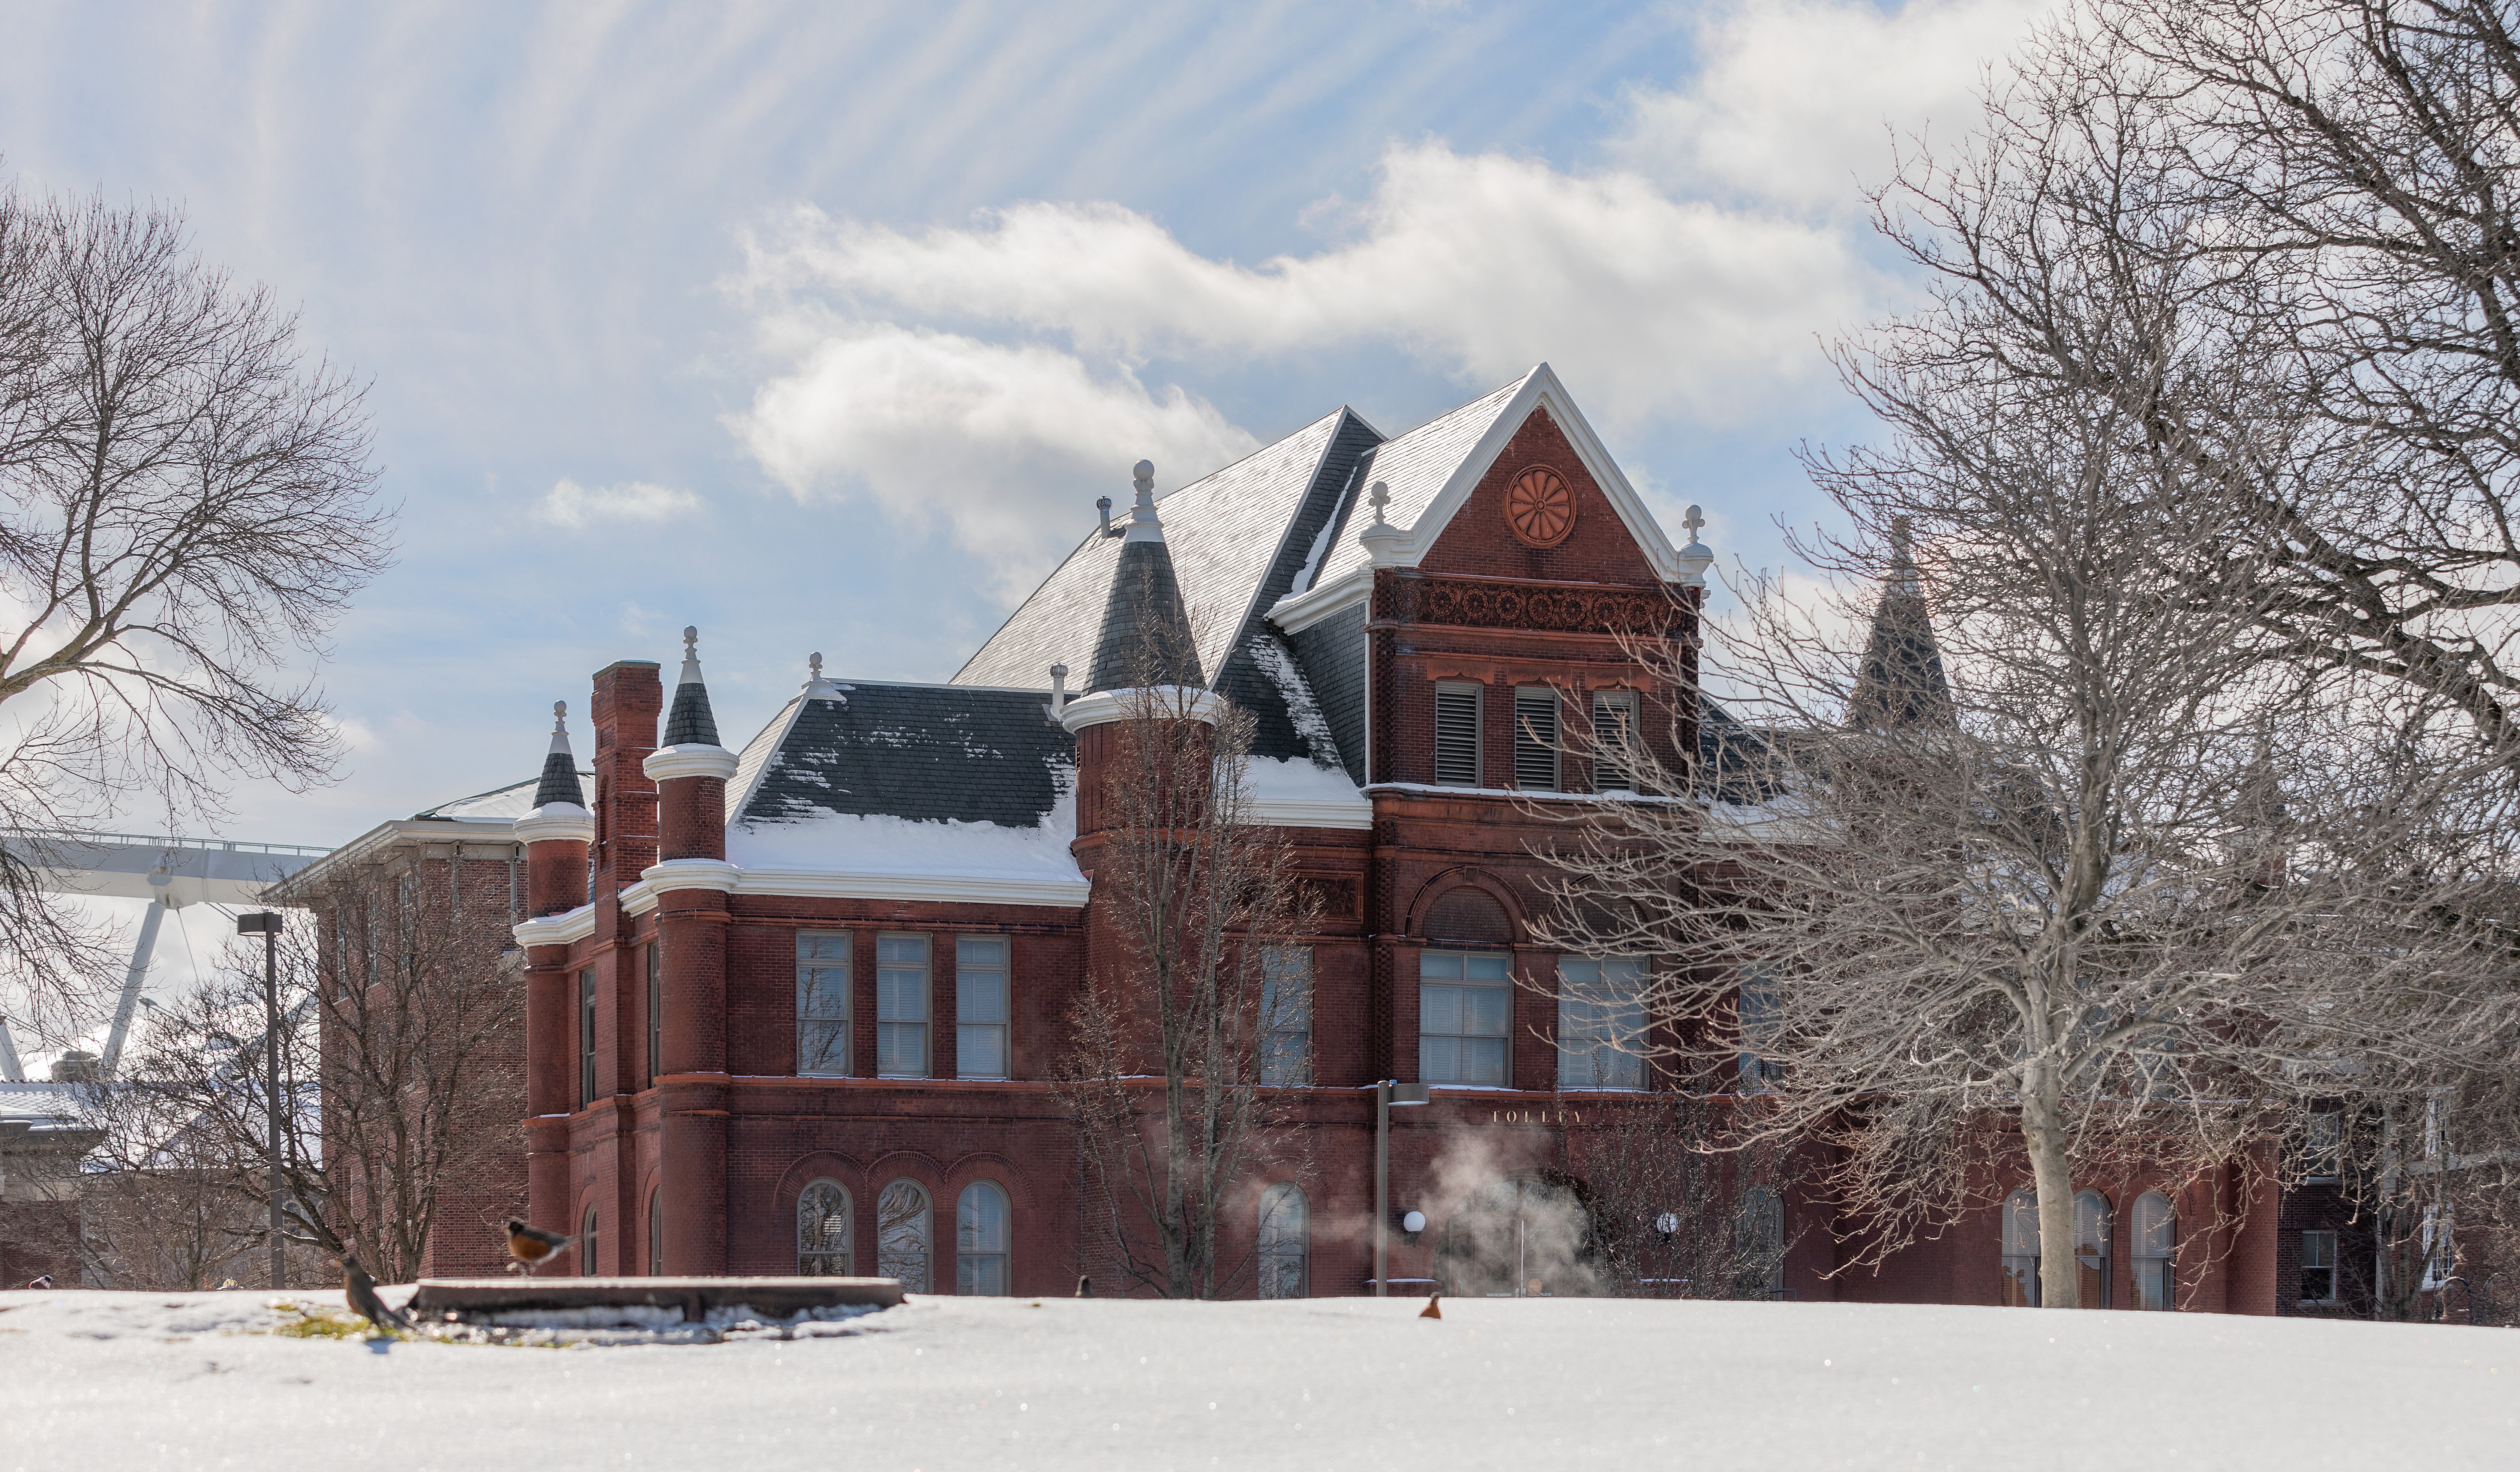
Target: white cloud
[1479,265]
[1006,446]
[1794,102]
[573,506]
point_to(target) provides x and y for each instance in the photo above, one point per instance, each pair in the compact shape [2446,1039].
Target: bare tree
[1168,1037]
[1679,1208]
[399,1068]
[185,508]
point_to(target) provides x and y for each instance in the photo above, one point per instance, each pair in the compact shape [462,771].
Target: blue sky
[822,327]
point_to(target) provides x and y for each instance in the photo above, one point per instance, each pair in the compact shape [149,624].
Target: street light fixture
[266,924]
[1388,1095]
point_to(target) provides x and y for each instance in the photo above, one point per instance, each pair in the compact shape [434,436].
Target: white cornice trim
[667,763]
[1296,614]
[564,821]
[1310,813]
[1106,706]
[689,874]
[565,928]
[403,833]
[940,889]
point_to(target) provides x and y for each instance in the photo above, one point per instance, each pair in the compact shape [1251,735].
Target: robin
[1434,1307]
[1084,1286]
[531,1245]
[361,1291]
[41,1283]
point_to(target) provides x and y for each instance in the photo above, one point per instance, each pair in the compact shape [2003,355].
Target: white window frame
[1600,1022]
[1285,1249]
[820,954]
[1286,1017]
[2154,1242]
[2322,1147]
[1432,964]
[815,1208]
[1534,747]
[1610,772]
[897,981]
[2020,1227]
[1477,697]
[2327,1244]
[983,1265]
[983,1014]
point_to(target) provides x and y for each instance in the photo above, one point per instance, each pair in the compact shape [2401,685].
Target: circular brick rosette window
[1540,508]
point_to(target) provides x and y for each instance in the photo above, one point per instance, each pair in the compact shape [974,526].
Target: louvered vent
[1614,737]
[1456,734]
[1535,740]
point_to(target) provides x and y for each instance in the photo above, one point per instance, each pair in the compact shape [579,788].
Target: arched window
[901,1235]
[587,1265]
[2021,1251]
[2156,1246]
[656,1231]
[1759,1242]
[980,1240]
[1286,1243]
[822,1233]
[2091,1249]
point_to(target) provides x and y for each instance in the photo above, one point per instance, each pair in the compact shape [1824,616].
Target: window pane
[822,992]
[1439,1060]
[1485,1011]
[980,1052]
[980,1240]
[901,1050]
[981,950]
[901,1235]
[1284,1242]
[1483,1060]
[1489,967]
[901,995]
[1439,966]
[1439,1010]
[980,997]
[912,949]
[823,1231]
[821,1048]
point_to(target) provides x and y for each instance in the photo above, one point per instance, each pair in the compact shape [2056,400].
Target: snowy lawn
[115,1380]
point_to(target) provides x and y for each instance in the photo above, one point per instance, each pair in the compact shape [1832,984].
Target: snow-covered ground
[115,1380]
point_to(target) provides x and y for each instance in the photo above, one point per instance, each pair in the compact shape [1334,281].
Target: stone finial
[559,717]
[1381,540]
[691,641]
[1696,557]
[814,665]
[1144,525]
[1378,497]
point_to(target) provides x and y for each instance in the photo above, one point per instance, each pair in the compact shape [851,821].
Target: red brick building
[794,1007]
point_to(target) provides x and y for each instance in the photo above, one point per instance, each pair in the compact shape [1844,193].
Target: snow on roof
[1224,532]
[498,804]
[1416,466]
[946,848]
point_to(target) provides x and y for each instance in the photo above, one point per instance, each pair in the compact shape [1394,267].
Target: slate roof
[1415,467]
[691,723]
[924,752]
[498,804]
[1147,636]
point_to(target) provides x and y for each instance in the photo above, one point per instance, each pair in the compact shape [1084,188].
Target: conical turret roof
[1900,682]
[690,722]
[560,769]
[1146,636]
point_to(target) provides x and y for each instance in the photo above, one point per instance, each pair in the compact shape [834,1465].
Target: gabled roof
[1432,470]
[1224,533]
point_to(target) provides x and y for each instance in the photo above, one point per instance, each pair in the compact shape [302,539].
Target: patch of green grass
[311,1325]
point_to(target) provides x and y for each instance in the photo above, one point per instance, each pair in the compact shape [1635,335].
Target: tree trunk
[2042,1131]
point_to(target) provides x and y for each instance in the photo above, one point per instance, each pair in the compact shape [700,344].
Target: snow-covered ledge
[556,821]
[667,763]
[561,930]
[1105,706]
[837,884]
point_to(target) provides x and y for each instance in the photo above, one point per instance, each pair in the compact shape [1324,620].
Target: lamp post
[266,924]
[1387,1094]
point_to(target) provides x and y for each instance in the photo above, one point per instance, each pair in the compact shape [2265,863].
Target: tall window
[1616,738]
[1465,1006]
[2156,1240]
[1286,1015]
[588,1265]
[901,1235]
[2021,1251]
[2322,1147]
[1286,1241]
[824,1235]
[656,1009]
[980,1007]
[901,1007]
[1535,740]
[1600,1022]
[1761,1018]
[1759,1241]
[822,1004]
[2091,1249]
[980,1242]
[656,1231]
[1456,734]
[586,1036]
[2318,1267]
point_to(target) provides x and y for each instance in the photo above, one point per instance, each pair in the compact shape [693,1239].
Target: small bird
[1434,1308]
[531,1245]
[1084,1285]
[41,1283]
[361,1291]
